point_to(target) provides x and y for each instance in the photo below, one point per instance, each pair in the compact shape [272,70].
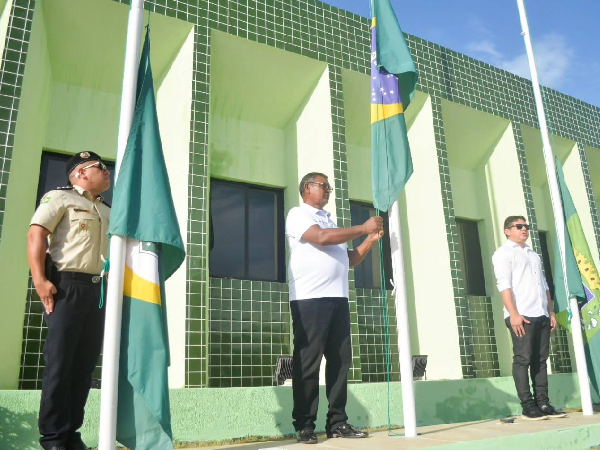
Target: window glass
[247,236]
[470,257]
[227,204]
[366,274]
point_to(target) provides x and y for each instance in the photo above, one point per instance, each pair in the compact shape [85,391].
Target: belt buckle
[96,279]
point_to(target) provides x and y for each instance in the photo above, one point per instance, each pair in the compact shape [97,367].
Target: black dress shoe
[347,431]
[306,436]
[532,412]
[548,410]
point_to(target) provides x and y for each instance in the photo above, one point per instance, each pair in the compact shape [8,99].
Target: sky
[565,35]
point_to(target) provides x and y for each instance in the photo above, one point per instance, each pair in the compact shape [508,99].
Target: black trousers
[73,345]
[321,327]
[530,354]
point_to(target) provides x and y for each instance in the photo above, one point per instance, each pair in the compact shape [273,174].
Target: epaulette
[64,188]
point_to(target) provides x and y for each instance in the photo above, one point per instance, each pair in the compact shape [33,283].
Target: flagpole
[114,296]
[401,303]
[559,217]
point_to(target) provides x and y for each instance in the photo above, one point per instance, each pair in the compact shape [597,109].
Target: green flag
[143,212]
[393,81]
[581,280]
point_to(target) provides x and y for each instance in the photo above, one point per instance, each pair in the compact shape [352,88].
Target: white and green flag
[144,213]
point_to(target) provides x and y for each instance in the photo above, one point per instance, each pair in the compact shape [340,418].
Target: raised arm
[335,236]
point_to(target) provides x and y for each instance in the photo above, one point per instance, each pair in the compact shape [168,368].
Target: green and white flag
[581,281]
[144,213]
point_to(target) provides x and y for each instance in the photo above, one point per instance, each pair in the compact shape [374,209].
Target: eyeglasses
[325,186]
[100,165]
[520,226]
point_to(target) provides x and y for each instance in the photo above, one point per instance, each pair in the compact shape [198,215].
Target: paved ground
[431,436]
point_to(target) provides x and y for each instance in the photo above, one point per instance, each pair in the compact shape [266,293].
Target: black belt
[87,277]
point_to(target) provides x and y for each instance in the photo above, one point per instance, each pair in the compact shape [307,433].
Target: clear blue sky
[566,36]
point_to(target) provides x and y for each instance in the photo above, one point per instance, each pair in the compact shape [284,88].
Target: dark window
[52,175]
[246,232]
[470,257]
[366,274]
[546,260]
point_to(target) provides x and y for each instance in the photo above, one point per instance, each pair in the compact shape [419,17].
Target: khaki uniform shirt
[78,227]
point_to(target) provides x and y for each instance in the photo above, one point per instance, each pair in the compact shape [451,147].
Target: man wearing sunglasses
[318,281]
[66,244]
[528,314]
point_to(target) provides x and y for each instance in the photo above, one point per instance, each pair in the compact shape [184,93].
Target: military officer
[66,244]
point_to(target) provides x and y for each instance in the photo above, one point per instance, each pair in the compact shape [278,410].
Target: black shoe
[306,436]
[58,447]
[532,412]
[347,431]
[548,410]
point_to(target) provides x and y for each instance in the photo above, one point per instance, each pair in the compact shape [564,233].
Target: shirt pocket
[84,223]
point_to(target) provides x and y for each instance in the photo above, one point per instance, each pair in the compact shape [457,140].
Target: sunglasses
[520,226]
[97,164]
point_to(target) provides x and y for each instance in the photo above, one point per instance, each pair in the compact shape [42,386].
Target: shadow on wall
[357,414]
[480,399]
[18,431]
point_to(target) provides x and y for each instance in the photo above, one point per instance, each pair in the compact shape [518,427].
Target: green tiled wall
[250,326]
[371,336]
[485,351]
[341,39]
[11,80]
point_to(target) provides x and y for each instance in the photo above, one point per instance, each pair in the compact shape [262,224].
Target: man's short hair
[510,220]
[308,178]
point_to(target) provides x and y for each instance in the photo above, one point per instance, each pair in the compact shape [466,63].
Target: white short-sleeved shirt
[314,271]
[520,269]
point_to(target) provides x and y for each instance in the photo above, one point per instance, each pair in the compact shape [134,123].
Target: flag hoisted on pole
[114,294]
[582,281]
[393,81]
[144,213]
[559,219]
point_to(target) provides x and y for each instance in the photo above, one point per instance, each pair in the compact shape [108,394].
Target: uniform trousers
[73,345]
[530,354]
[321,328]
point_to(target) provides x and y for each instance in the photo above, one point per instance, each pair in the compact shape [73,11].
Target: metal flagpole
[400,299]
[114,296]
[559,217]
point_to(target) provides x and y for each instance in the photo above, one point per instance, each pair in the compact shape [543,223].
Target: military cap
[80,158]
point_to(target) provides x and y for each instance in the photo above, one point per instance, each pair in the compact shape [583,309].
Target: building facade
[251,95]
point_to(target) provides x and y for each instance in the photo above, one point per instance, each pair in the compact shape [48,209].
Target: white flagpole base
[404,349]
[580,361]
[114,294]
[112,346]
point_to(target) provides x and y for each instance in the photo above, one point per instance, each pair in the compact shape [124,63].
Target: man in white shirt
[529,315]
[318,281]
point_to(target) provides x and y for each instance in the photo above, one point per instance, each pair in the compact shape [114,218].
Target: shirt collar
[87,194]
[512,244]
[314,210]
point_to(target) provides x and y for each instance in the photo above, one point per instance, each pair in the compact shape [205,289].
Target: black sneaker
[548,410]
[532,412]
[347,431]
[306,436]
